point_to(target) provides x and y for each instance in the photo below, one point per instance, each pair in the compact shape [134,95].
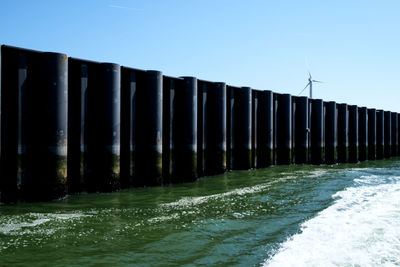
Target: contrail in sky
[124,7]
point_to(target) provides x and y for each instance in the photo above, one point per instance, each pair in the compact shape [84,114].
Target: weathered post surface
[131,79]
[265,129]
[395,133]
[44,176]
[90,138]
[81,75]
[362,134]
[170,85]
[110,88]
[254,127]
[184,132]
[202,88]
[230,100]
[241,129]
[284,129]
[275,124]
[301,130]
[215,130]
[371,134]
[317,131]
[1,63]
[149,130]
[14,82]
[380,134]
[353,133]
[388,134]
[398,134]
[343,130]
[330,132]
[99,129]
[77,82]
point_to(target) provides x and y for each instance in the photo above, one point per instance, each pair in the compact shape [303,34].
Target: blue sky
[353,46]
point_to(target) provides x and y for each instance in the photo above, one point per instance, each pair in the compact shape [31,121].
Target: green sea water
[239,218]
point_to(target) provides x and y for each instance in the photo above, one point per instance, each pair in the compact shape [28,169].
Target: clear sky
[353,46]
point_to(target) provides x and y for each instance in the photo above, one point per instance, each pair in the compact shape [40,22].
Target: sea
[339,215]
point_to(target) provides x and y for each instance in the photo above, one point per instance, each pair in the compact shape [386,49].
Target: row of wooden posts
[70,125]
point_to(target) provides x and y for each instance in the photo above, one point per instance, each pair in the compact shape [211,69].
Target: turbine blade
[304,88]
[308,68]
[307,65]
[315,81]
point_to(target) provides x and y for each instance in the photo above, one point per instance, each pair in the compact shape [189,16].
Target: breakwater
[70,125]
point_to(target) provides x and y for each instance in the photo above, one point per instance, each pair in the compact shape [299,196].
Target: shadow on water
[237,218]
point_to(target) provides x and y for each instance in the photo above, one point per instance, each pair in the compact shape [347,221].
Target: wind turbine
[310,84]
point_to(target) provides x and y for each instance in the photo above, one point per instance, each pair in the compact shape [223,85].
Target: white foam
[163,218]
[13,227]
[361,228]
[194,201]
[307,173]
[21,224]
[316,173]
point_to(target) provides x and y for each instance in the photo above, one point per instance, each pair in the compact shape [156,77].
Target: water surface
[340,215]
